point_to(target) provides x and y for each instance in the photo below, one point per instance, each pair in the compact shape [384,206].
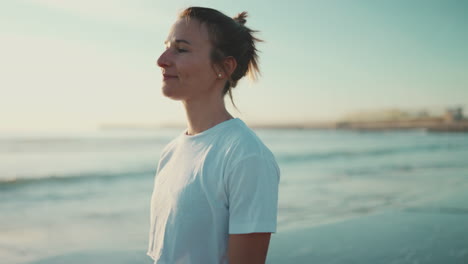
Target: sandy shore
[433,233]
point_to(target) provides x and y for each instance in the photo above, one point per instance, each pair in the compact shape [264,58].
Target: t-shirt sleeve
[252,191]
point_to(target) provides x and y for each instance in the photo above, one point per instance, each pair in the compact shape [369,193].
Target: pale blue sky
[72,65]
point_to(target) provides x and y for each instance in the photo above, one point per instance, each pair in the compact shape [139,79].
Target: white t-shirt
[221,181]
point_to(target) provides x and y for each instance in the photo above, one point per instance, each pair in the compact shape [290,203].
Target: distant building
[453,114]
[422,114]
[377,115]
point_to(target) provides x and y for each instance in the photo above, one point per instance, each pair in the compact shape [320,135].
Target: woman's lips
[169,77]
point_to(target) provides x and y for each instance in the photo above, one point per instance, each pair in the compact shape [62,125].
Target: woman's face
[186,65]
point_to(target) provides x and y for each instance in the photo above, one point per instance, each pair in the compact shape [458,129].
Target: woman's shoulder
[242,141]
[244,147]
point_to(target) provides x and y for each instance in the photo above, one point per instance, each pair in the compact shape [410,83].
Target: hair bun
[241,18]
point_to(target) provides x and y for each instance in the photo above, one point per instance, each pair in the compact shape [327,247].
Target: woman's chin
[171,93]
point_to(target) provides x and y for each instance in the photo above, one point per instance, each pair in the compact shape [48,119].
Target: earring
[219,75]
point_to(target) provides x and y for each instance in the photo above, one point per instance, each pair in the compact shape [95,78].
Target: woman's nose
[163,60]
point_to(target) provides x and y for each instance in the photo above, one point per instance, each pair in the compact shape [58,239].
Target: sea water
[65,194]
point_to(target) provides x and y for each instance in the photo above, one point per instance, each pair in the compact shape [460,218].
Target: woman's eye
[181,50]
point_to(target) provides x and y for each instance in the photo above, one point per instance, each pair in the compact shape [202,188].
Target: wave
[401,168]
[319,156]
[11,183]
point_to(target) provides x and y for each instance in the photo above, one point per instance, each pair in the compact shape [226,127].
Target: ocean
[84,197]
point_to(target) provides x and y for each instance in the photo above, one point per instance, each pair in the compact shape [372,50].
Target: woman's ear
[230,65]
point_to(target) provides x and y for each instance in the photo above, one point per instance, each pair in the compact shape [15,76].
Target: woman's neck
[202,115]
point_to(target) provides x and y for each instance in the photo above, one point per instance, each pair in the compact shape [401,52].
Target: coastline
[347,197]
[427,125]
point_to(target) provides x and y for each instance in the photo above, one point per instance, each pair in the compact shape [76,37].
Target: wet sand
[433,233]
[436,232]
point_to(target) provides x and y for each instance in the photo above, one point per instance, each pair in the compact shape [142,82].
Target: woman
[215,193]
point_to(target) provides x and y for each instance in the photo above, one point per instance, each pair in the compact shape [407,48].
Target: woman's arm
[248,248]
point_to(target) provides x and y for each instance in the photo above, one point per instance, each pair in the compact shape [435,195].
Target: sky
[75,65]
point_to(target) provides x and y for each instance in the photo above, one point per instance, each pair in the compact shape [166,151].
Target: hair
[229,37]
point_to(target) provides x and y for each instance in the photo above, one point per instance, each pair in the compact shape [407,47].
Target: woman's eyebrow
[178,41]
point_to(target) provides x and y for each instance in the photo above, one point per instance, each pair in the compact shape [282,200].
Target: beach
[430,233]
[433,233]
[345,196]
